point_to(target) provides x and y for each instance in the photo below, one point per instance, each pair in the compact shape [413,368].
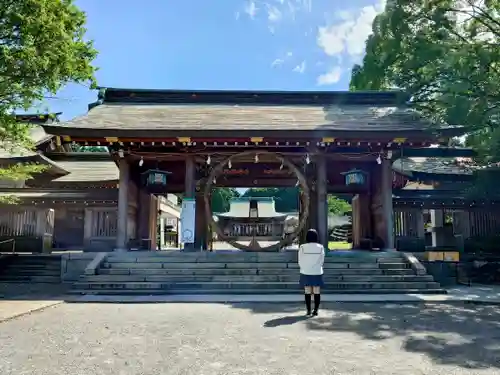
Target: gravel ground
[205,339]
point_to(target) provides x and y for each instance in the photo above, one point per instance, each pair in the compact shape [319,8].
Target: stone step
[15,260]
[8,273]
[234,259]
[393,266]
[248,278]
[32,279]
[121,265]
[256,286]
[248,271]
[146,292]
[19,267]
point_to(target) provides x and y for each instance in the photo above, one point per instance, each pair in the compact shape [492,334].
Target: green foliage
[338,206]
[18,172]
[78,148]
[221,198]
[42,48]
[286,199]
[445,54]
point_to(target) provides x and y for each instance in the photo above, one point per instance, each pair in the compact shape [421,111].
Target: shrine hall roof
[410,166]
[36,133]
[88,171]
[157,113]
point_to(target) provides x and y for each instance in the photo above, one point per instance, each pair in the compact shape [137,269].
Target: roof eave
[216,133]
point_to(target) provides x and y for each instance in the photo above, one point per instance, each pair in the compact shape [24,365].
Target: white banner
[188,217]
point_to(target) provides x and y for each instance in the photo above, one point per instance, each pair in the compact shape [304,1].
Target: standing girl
[311,259]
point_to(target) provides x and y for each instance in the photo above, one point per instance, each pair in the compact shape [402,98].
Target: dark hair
[312,236]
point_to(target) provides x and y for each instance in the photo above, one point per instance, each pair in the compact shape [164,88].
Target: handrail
[13,240]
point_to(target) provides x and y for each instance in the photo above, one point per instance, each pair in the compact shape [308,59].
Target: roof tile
[248,117]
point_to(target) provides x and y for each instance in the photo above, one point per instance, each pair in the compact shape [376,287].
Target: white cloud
[277,62]
[346,37]
[301,68]
[273,13]
[251,9]
[349,35]
[330,77]
[278,10]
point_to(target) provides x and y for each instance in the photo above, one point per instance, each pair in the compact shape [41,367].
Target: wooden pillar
[420,223]
[302,235]
[361,219]
[322,204]
[162,243]
[437,222]
[190,190]
[201,226]
[122,221]
[87,228]
[143,215]
[312,222]
[153,221]
[387,208]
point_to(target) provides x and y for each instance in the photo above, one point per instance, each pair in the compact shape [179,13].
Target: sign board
[188,217]
[443,256]
[433,256]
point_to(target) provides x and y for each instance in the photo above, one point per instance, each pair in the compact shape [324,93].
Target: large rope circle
[287,239]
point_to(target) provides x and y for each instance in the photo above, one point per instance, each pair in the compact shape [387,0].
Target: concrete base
[479,295]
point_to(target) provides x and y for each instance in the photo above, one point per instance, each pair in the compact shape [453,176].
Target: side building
[72,204]
[441,205]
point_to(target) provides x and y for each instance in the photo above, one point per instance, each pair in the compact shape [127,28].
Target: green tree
[338,206]
[286,199]
[221,197]
[42,48]
[78,148]
[445,54]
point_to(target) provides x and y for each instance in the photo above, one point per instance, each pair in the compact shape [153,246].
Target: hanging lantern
[354,177]
[155,180]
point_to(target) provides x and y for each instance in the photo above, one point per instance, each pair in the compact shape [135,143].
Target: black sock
[308,302]
[317,300]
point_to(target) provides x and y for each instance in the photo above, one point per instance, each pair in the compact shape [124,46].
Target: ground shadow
[460,334]
[285,321]
[33,291]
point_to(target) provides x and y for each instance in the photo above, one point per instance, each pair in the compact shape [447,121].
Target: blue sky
[222,44]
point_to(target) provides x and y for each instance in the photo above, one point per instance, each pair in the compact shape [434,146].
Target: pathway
[267,339]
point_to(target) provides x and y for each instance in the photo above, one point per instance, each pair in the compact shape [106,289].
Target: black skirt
[311,280]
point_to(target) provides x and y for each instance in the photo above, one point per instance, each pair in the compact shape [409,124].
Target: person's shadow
[285,321]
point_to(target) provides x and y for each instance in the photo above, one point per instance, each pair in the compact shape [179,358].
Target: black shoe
[308,303]
[317,300]
[308,313]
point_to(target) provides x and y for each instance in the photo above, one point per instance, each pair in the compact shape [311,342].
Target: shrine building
[252,217]
[189,142]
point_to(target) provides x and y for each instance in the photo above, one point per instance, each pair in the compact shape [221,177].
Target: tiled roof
[174,117]
[436,166]
[37,134]
[58,195]
[177,110]
[241,209]
[88,171]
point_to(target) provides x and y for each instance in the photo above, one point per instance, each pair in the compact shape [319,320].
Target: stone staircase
[249,273]
[27,268]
